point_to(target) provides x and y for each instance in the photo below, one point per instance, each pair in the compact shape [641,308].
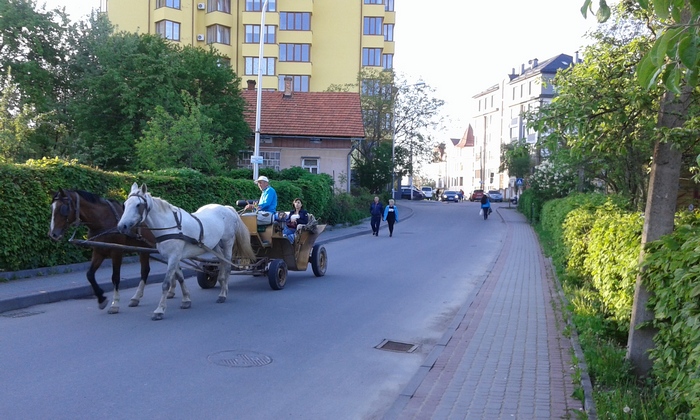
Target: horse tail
[242,247]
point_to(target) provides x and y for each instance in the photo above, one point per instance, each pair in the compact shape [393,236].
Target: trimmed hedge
[27,190]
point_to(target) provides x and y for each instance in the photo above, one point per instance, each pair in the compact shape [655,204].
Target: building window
[371,56]
[270,159]
[389,32]
[389,5]
[221,62]
[251,66]
[373,26]
[388,61]
[373,87]
[252,34]
[299,83]
[295,52]
[219,33]
[295,21]
[374,1]
[168,30]
[219,6]
[256,5]
[310,164]
[173,4]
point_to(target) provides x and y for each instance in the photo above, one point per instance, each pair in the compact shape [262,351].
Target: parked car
[406,193]
[450,196]
[427,192]
[476,195]
[495,196]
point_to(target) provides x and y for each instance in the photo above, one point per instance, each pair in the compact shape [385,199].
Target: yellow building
[316,42]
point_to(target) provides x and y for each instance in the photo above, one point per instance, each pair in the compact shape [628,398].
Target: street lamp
[256,158]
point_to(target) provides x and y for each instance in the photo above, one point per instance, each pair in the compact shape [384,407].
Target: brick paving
[507,357]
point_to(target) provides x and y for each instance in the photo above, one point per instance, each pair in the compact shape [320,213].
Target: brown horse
[100,215]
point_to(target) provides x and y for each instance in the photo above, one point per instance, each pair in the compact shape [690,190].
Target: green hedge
[597,245]
[27,192]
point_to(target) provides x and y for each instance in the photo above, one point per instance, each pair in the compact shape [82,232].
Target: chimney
[535,62]
[576,59]
[251,84]
[287,87]
[522,68]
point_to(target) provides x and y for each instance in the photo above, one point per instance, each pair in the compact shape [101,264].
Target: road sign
[256,159]
[519,182]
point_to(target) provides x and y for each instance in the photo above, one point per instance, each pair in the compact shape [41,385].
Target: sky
[462,47]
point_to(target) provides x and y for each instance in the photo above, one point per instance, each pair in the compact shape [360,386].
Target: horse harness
[177,215]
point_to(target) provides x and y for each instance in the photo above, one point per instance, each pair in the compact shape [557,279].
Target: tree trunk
[658,221]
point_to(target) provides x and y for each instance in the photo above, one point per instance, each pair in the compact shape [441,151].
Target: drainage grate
[239,358]
[396,346]
[20,314]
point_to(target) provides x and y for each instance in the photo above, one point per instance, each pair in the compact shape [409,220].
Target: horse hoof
[157,317]
[113,310]
[186,305]
[103,304]
[133,303]
[221,300]
[171,295]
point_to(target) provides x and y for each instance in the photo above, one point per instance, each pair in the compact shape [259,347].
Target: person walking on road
[376,210]
[391,215]
[485,206]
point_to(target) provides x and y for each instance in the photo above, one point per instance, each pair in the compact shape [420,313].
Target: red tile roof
[318,114]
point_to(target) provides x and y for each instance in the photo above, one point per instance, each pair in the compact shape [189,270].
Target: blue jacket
[393,209]
[268,200]
[376,209]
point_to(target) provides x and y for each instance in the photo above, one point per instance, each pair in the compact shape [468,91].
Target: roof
[550,66]
[318,114]
[467,139]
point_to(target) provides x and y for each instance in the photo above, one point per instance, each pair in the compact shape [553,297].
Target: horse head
[136,208]
[64,213]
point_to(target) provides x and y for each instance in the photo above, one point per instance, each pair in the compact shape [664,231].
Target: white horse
[179,235]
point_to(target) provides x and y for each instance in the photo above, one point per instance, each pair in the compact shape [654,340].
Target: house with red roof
[313,130]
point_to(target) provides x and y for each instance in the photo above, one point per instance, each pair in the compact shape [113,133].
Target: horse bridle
[64,210]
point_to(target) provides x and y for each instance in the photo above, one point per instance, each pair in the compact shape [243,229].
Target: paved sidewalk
[504,356]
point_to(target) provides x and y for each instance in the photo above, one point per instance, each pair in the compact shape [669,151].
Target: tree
[16,122]
[673,61]
[185,141]
[393,111]
[601,123]
[515,158]
[133,75]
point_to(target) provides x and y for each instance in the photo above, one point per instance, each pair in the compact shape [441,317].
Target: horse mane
[162,204]
[94,198]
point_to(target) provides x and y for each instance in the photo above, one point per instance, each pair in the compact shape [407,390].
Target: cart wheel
[319,260]
[277,274]
[207,280]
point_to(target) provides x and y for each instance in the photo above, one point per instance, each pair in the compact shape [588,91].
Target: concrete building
[497,119]
[318,43]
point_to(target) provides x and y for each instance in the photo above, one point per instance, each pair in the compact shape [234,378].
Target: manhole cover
[20,314]
[396,346]
[239,358]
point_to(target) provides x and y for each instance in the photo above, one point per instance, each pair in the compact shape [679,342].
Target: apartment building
[318,43]
[497,119]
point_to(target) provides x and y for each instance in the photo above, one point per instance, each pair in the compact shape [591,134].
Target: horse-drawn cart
[275,255]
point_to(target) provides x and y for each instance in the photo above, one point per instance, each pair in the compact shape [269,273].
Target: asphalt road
[305,352]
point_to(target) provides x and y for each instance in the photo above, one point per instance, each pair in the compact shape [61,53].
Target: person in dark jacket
[391,215]
[298,216]
[485,206]
[376,210]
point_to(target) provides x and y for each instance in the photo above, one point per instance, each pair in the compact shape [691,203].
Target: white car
[428,192]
